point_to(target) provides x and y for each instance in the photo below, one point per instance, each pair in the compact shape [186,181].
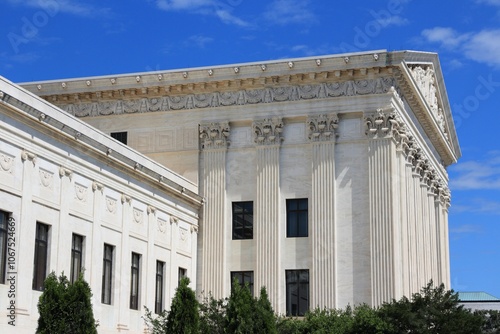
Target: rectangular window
[4,220]
[297,292]
[296,218]
[134,281]
[244,278]
[242,220]
[182,273]
[120,136]
[160,268]
[76,257]
[40,258]
[107,274]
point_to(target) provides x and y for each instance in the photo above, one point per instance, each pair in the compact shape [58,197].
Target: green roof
[476,297]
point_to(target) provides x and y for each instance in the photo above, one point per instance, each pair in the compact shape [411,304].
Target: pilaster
[25,246]
[214,142]
[322,135]
[122,269]
[268,137]
[95,247]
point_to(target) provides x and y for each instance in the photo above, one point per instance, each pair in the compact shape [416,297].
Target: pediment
[424,77]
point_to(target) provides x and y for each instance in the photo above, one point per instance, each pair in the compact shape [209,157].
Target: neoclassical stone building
[324,178]
[72,199]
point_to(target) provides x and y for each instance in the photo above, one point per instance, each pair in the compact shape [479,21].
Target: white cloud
[477,175]
[285,12]
[489,2]
[63,6]
[199,40]
[393,20]
[216,8]
[478,206]
[482,46]
[466,228]
[183,4]
[448,37]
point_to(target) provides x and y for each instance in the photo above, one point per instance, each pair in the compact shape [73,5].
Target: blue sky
[55,39]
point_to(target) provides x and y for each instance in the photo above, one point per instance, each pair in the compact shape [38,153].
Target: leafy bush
[65,307]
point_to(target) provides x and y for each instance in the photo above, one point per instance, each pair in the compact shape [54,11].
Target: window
[76,257]
[4,218]
[242,220]
[120,136]
[296,218]
[243,277]
[107,273]
[297,292]
[40,258]
[182,273]
[160,269]
[134,281]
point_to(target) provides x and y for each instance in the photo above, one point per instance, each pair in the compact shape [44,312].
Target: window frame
[40,256]
[107,274]
[4,236]
[241,275]
[247,225]
[182,272]
[159,286]
[294,218]
[78,255]
[300,286]
[135,277]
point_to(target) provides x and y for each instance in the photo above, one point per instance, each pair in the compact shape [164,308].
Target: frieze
[323,127]
[232,98]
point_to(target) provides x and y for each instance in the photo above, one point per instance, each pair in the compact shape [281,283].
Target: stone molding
[214,135]
[229,98]
[323,127]
[268,131]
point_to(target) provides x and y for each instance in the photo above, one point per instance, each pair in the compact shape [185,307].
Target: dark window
[4,219]
[160,268]
[182,273]
[76,257]
[297,292]
[107,274]
[242,220]
[296,218]
[120,136]
[134,281]
[40,258]
[244,278]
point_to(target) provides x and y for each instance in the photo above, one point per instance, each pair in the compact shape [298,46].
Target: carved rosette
[268,131]
[138,216]
[81,192]
[46,178]
[381,124]
[214,135]
[110,205]
[162,225]
[6,162]
[323,127]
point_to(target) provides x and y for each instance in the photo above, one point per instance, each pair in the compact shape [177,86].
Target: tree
[65,307]
[184,314]
[433,310]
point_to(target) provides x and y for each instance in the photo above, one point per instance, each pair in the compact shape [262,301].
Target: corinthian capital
[322,127]
[381,123]
[268,131]
[214,135]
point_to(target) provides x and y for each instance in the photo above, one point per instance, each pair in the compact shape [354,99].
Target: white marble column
[381,169]
[323,275]
[266,213]
[442,205]
[214,143]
